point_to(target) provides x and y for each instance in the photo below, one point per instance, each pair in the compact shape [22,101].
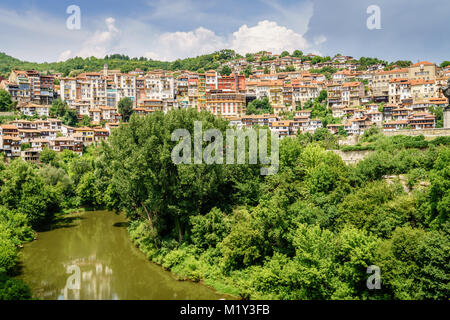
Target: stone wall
[437,132]
[352,157]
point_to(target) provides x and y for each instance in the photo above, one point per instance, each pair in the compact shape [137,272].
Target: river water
[90,256]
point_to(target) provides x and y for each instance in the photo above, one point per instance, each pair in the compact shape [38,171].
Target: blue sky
[161,29]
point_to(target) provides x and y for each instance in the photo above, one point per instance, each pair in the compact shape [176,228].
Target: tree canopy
[259,106]
[125,107]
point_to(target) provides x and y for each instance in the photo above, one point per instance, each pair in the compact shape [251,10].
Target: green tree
[6,104]
[85,121]
[244,244]
[259,106]
[13,289]
[58,108]
[25,191]
[61,109]
[70,117]
[250,57]
[210,229]
[125,108]
[151,185]
[47,156]
[225,71]
[87,191]
[248,71]
[297,54]
[438,112]
[445,64]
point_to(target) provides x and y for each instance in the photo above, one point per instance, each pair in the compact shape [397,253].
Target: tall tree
[125,108]
[225,71]
[6,103]
[259,106]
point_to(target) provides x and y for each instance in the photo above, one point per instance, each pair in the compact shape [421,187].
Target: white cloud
[139,37]
[65,55]
[174,45]
[267,35]
[101,42]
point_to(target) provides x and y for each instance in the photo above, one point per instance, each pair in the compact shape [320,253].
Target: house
[283,128]
[375,117]
[399,90]
[314,124]
[96,115]
[352,92]
[380,83]
[9,130]
[226,104]
[334,128]
[400,114]
[10,145]
[39,144]
[31,109]
[260,120]
[395,125]
[423,70]
[422,90]
[421,120]
[87,134]
[100,134]
[30,155]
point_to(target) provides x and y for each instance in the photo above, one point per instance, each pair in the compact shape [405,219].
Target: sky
[37,30]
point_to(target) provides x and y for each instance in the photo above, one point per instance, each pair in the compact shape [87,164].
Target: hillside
[117,61]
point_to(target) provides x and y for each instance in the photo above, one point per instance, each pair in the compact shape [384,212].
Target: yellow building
[423,70]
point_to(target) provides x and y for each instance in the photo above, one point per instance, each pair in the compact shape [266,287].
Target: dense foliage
[260,106]
[308,232]
[60,109]
[6,103]
[125,107]
[30,198]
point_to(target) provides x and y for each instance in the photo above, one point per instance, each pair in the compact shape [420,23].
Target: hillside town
[358,98]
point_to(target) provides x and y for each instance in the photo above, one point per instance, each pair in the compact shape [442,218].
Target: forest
[308,232]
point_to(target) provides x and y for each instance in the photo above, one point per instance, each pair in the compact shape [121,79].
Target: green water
[90,256]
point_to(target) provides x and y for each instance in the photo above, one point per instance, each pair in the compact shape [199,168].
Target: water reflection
[94,259]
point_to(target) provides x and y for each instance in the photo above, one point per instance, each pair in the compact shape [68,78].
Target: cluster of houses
[26,139]
[30,87]
[391,99]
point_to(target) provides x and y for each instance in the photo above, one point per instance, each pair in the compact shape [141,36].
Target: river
[90,257]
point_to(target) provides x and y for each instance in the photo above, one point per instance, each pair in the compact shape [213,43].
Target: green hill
[118,61]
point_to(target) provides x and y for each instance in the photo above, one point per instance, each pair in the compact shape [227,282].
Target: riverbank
[188,263]
[19,235]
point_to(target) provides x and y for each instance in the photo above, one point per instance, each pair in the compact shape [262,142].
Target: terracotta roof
[8,126]
[11,138]
[425,63]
